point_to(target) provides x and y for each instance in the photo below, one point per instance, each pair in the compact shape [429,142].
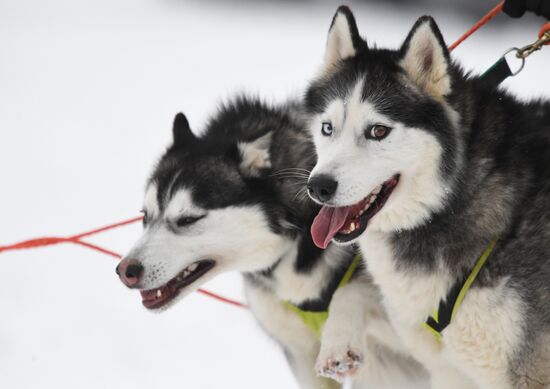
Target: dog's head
[384,132]
[207,208]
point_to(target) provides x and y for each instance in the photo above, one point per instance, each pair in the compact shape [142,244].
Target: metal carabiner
[526,51]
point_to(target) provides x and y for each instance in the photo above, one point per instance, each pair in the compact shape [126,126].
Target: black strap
[497,73]
[446,306]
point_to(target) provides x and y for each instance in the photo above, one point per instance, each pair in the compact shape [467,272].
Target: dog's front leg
[300,345]
[343,337]
[359,342]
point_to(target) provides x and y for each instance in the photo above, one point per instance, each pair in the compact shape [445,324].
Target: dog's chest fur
[409,297]
[487,327]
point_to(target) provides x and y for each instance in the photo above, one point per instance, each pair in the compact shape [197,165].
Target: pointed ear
[255,156]
[425,58]
[343,40]
[181,131]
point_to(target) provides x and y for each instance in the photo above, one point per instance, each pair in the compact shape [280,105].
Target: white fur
[150,203]
[347,155]
[300,344]
[475,347]
[296,287]
[237,238]
[485,332]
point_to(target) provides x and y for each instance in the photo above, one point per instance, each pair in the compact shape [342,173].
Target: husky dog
[426,168]
[235,199]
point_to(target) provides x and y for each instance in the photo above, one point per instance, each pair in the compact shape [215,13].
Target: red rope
[484,20]
[76,239]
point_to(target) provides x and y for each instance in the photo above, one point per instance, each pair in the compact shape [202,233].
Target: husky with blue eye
[234,199]
[444,183]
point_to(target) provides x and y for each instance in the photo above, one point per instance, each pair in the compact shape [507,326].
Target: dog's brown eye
[378,132]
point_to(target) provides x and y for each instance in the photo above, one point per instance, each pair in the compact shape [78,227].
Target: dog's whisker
[290,174]
[300,194]
[294,168]
[302,178]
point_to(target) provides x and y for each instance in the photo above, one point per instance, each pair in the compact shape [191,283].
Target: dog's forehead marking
[181,203]
[353,102]
[338,110]
[352,113]
[150,202]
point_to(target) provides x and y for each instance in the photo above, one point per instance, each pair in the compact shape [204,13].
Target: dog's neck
[488,192]
[291,281]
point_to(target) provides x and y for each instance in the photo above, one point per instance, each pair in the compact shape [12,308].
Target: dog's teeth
[377,190]
[186,273]
[352,227]
[159,293]
[372,200]
[192,267]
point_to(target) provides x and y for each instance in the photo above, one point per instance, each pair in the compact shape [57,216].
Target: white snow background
[88,91]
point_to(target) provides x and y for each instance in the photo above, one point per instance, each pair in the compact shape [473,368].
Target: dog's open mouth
[345,224]
[159,297]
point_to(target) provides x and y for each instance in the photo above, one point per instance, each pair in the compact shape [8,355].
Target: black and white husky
[235,199]
[432,172]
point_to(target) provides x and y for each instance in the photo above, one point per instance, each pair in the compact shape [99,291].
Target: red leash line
[76,239]
[221,298]
[109,227]
[484,20]
[48,241]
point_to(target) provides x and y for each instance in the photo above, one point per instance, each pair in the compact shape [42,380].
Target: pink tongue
[327,223]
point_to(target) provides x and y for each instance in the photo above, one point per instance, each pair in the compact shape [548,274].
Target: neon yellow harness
[316,320]
[448,308]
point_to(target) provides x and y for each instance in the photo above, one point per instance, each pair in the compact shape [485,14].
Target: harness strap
[497,73]
[351,270]
[448,308]
[315,320]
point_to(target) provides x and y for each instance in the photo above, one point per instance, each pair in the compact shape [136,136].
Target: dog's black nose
[130,272]
[134,270]
[322,187]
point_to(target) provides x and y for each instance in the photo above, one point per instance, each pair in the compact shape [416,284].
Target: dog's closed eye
[185,221]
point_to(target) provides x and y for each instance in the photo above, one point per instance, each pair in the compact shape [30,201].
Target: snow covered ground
[88,91]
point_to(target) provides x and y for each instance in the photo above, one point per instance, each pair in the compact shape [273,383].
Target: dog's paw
[340,364]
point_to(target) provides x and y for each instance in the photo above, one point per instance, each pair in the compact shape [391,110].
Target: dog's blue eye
[187,220]
[326,129]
